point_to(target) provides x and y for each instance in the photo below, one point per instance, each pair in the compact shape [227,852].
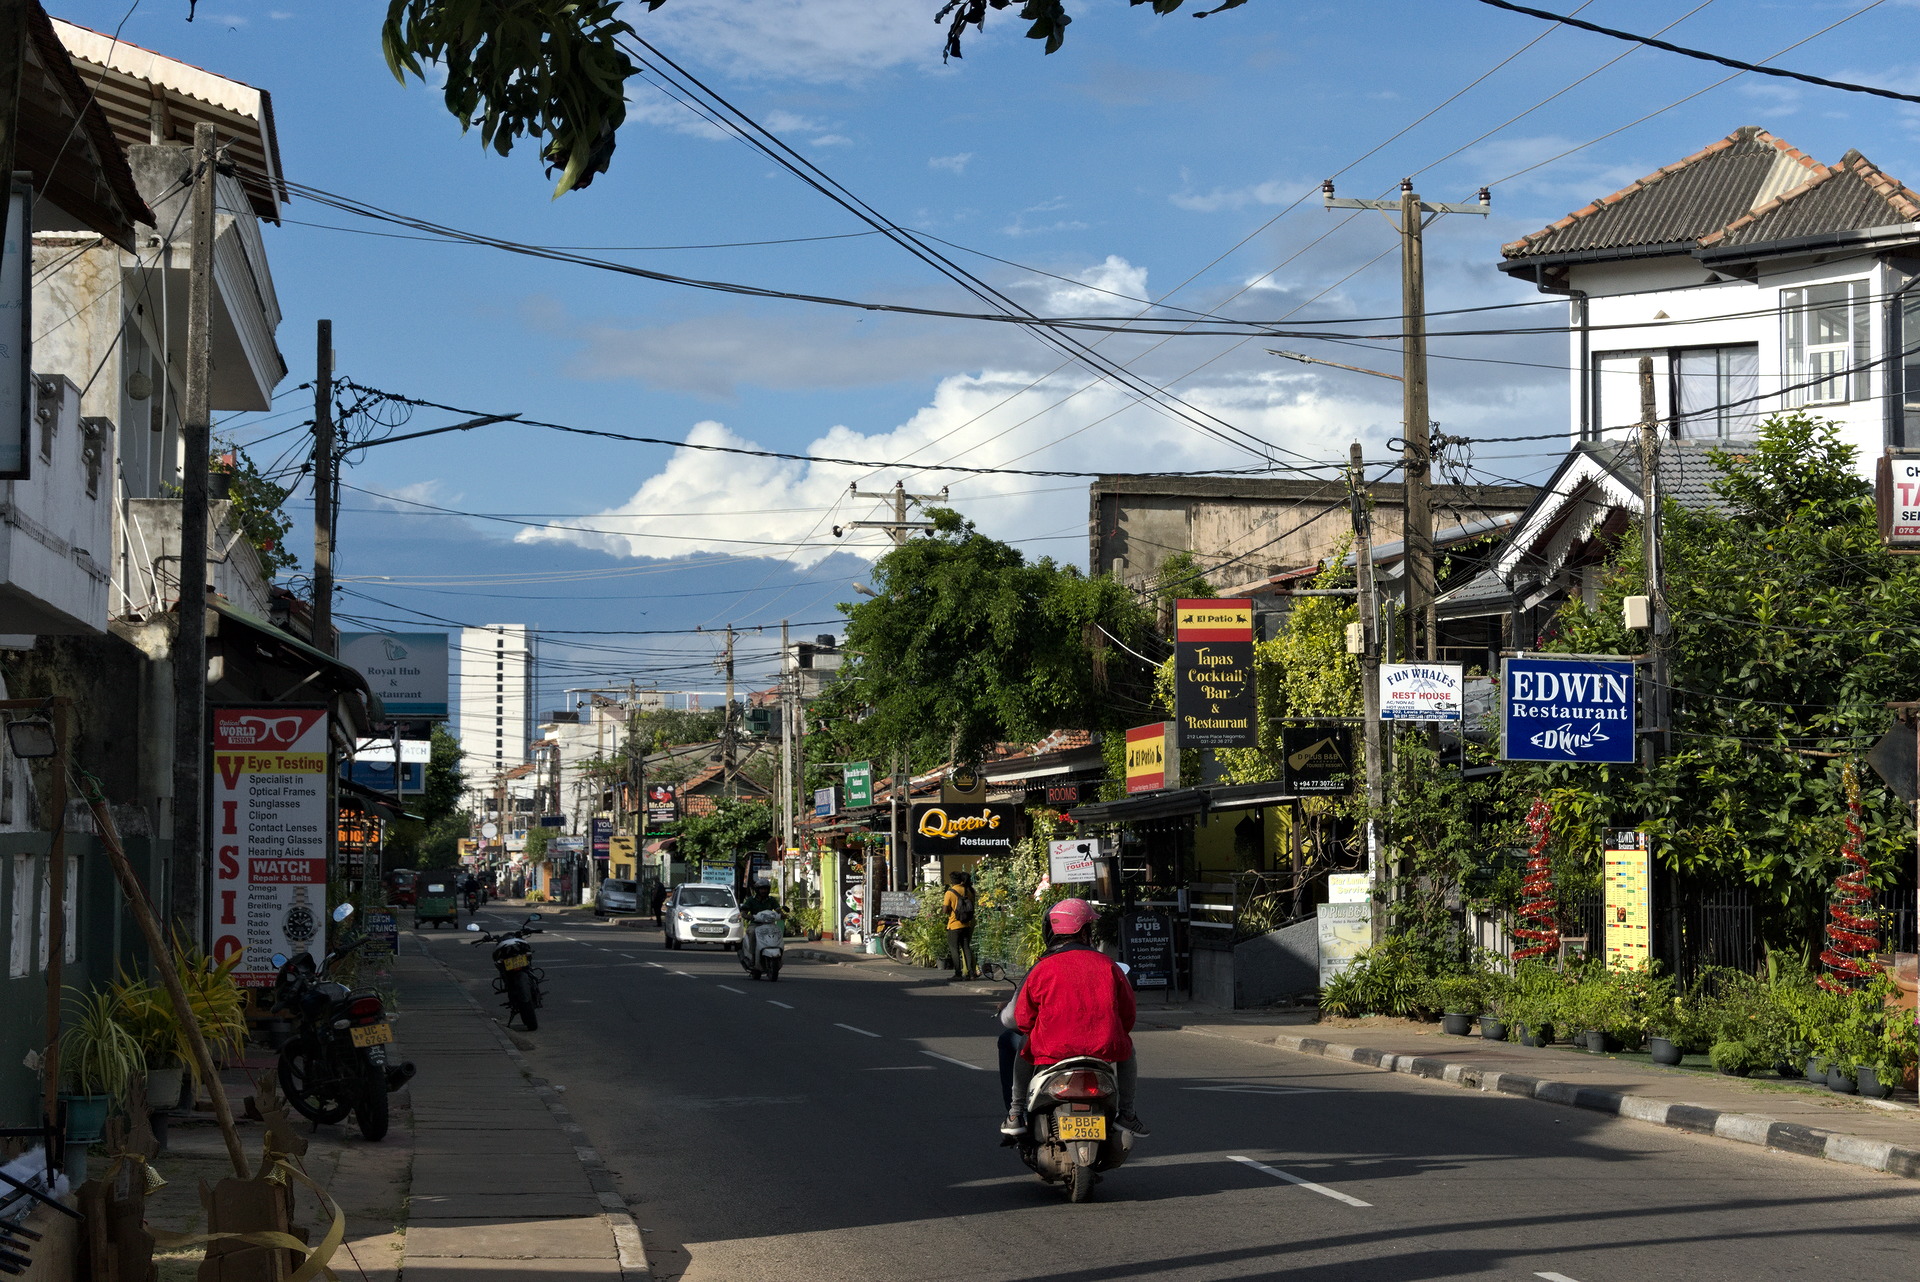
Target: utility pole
[324,462]
[1417,423]
[726,726]
[786,749]
[1650,538]
[190,640]
[896,528]
[1373,741]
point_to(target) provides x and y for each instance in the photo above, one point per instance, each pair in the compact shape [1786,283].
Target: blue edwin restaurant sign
[1568,710]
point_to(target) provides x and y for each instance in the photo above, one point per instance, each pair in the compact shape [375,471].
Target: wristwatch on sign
[301,925]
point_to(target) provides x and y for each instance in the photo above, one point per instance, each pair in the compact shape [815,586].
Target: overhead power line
[1702,55]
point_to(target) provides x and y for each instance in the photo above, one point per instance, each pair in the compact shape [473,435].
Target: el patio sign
[1214,700]
[1153,758]
[1420,691]
[1568,710]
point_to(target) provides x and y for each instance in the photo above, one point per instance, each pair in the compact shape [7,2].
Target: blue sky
[1133,161]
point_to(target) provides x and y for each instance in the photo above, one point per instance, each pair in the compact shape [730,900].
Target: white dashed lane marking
[729,988]
[781,1005]
[951,1060]
[851,1029]
[1290,1178]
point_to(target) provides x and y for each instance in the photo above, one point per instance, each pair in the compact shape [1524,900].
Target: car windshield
[623,887]
[706,897]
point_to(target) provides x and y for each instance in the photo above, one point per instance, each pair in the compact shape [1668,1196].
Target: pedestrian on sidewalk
[959,904]
[659,902]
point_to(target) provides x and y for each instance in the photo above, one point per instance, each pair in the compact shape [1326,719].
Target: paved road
[840,1126]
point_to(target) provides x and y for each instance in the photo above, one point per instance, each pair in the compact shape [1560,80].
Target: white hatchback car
[702,914]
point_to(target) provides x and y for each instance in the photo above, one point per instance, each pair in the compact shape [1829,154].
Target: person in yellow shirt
[959,904]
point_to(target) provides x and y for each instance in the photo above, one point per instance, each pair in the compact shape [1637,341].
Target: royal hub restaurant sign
[1568,710]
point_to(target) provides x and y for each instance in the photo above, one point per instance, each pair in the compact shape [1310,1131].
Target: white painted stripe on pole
[851,1029]
[951,1060]
[781,1005]
[1553,1277]
[731,989]
[1290,1178]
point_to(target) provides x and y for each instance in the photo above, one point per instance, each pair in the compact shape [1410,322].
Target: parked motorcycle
[762,944]
[1072,1133]
[335,1061]
[518,978]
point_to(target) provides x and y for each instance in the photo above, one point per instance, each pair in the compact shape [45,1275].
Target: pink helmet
[1070,916]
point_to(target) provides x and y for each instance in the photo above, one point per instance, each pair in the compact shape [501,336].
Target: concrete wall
[1258,971]
[1255,527]
[56,527]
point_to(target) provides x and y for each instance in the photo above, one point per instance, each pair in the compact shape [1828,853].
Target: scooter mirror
[474,927]
[279,960]
[343,912]
[533,916]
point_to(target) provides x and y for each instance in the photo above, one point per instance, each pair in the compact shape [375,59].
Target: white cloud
[1108,288]
[665,113]
[811,40]
[832,140]
[956,164]
[782,121]
[1021,227]
[1272,192]
[997,418]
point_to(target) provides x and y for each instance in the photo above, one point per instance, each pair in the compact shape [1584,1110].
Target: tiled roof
[1852,196]
[1682,202]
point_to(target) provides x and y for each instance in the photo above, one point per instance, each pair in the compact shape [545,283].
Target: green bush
[1391,978]
[1734,1058]
[1464,994]
[925,934]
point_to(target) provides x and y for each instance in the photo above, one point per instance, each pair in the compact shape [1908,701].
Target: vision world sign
[1214,701]
[1568,710]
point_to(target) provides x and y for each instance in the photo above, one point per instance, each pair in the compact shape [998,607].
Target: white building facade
[1756,280]
[496,665]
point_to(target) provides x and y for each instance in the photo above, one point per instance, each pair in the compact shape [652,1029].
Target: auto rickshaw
[436,898]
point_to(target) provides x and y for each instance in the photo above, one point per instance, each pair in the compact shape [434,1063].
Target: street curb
[837,959]
[1746,1128]
[626,1231]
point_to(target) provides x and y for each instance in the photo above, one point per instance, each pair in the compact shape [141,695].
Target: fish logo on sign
[1564,739]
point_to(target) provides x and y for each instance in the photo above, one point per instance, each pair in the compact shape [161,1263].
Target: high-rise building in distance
[496,684]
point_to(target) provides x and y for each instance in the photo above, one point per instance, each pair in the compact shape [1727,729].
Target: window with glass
[1705,392]
[1826,343]
[1909,365]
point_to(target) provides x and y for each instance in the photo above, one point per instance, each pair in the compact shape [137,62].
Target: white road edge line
[1321,1189]
[851,1029]
[781,1005]
[729,988]
[902,1068]
[1553,1277]
[951,1060]
[682,972]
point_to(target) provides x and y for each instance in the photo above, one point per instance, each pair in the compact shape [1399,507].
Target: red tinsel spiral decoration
[1852,938]
[1538,923]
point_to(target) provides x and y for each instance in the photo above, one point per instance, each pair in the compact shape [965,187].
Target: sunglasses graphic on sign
[267,732]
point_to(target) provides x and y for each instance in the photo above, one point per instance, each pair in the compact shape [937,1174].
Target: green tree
[433,840]
[557,69]
[734,826]
[968,643]
[259,507]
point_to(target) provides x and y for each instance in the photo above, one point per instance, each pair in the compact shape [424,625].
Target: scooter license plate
[372,1035]
[1076,1127]
[515,963]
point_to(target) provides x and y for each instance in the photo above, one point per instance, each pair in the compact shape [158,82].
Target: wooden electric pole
[1372,739]
[324,463]
[190,639]
[1416,449]
[898,527]
[1650,538]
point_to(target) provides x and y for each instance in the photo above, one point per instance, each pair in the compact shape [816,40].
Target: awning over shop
[244,634]
[1184,801]
[375,803]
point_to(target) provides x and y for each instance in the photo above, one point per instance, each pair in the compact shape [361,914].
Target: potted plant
[1669,1029]
[1459,998]
[99,1056]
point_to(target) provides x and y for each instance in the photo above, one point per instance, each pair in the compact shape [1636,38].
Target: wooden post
[58,710]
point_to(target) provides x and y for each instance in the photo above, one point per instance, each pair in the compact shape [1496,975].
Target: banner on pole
[1421,691]
[858,777]
[270,825]
[1628,899]
[1214,699]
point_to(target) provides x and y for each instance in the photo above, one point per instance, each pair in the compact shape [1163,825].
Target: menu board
[1627,907]
[1146,941]
[269,836]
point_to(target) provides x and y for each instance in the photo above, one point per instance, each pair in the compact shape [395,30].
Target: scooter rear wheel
[520,999]
[1080,1182]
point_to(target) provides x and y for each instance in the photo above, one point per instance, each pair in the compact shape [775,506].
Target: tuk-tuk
[436,897]
[400,887]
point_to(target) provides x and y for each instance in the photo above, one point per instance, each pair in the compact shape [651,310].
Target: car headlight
[684,915]
[733,919]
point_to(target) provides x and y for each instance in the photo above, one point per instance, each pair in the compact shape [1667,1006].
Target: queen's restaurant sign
[964,828]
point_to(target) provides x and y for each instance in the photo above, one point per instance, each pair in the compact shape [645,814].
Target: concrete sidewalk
[504,1183]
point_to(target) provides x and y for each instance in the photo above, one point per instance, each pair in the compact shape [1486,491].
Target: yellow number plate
[1080,1127]
[515,963]
[372,1035]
